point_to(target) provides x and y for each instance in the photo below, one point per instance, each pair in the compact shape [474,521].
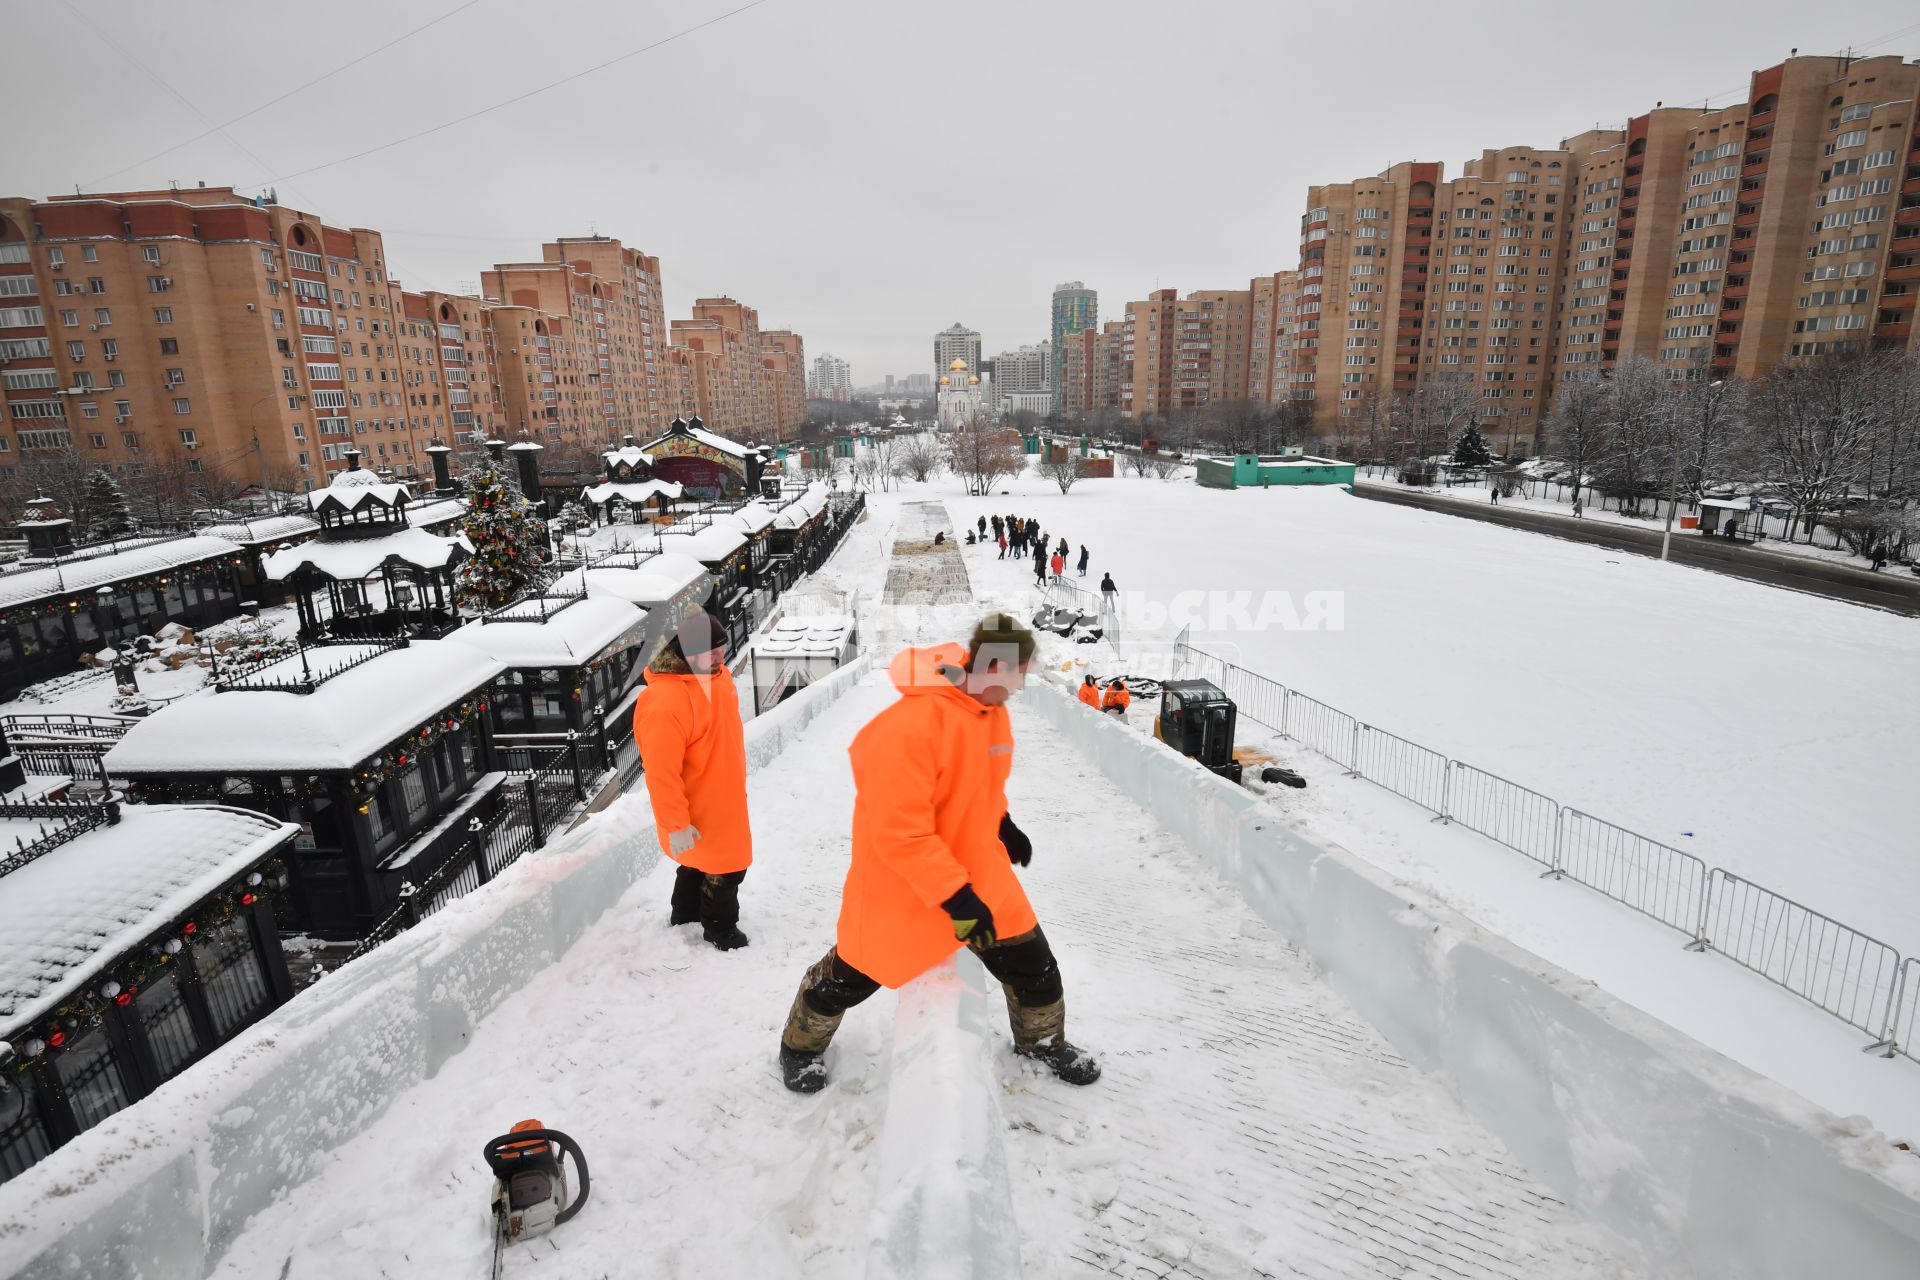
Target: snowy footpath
[1249,1123]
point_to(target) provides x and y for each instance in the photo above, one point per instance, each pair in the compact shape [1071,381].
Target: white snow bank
[1710,1167]
[163,1187]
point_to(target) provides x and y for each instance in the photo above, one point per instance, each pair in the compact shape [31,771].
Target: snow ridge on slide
[1250,1123]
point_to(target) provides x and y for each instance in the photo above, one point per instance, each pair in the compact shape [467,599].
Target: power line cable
[156,77]
[518,97]
[302,88]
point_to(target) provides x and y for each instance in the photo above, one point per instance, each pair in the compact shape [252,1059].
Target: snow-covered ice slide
[1250,1123]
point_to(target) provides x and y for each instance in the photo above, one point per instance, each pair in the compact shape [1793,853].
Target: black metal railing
[306,668]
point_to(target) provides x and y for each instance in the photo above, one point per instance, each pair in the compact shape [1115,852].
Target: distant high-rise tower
[1075,307]
[832,379]
[955,343]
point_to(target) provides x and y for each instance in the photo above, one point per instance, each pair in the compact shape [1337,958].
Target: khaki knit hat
[1001,636]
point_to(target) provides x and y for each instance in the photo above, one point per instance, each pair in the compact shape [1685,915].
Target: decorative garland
[378,769]
[84,1009]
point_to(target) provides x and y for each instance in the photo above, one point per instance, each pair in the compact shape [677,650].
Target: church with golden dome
[961,397]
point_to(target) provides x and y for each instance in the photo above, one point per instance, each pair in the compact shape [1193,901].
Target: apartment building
[832,378]
[955,342]
[1026,372]
[784,354]
[200,329]
[1076,308]
[1081,367]
[1270,336]
[1185,352]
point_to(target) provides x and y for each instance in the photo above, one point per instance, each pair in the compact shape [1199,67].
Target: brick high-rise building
[201,330]
[1081,366]
[1271,337]
[1186,352]
[955,342]
[831,379]
[1780,227]
[784,353]
[1361,292]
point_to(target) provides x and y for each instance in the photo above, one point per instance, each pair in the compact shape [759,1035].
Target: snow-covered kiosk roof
[669,577]
[73,912]
[709,544]
[753,519]
[354,488]
[352,560]
[260,530]
[76,575]
[374,696]
[628,455]
[802,509]
[637,492]
[570,636]
[425,515]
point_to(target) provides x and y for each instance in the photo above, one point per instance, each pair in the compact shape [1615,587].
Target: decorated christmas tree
[1471,449]
[508,537]
[108,515]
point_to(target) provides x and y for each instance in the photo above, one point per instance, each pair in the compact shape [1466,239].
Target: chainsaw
[530,1192]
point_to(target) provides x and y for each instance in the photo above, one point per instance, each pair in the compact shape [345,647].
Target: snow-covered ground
[1249,1123]
[1768,732]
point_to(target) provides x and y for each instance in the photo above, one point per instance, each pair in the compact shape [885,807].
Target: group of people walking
[933,848]
[1021,538]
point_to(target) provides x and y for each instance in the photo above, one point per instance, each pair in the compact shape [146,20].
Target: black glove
[1019,848]
[972,921]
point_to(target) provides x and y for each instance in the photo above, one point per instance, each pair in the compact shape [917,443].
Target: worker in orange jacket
[686,723]
[933,856]
[1116,698]
[1090,693]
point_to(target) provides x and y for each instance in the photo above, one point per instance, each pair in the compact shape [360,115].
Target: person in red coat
[933,856]
[686,723]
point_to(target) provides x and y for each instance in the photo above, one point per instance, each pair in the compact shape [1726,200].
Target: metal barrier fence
[1312,723]
[1654,879]
[1851,975]
[1405,768]
[1518,817]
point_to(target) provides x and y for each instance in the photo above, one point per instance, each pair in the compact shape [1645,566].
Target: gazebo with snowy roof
[380,751]
[629,482]
[134,940]
[377,574]
[707,464]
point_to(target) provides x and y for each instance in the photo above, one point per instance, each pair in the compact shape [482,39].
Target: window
[56,258]
[88,409]
[176,377]
[159,284]
[97,439]
[115,378]
[102,316]
[188,438]
[302,261]
[163,315]
[150,253]
[1878,159]
[169,347]
[68,319]
[124,409]
[89,254]
[181,405]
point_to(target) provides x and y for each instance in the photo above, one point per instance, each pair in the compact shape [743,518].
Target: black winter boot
[1071,1064]
[801,1071]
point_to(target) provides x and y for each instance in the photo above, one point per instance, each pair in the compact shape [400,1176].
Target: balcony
[1904,273]
[1893,335]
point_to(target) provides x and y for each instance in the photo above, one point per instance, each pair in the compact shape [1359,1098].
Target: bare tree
[1061,467]
[1815,427]
[921,457]
[1580,426]
[1432,414]
[1645,435]
[983,454]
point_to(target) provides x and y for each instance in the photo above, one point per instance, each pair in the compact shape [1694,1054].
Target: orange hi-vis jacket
[694,750]
[930,776]
[1116,696]
[1090,694]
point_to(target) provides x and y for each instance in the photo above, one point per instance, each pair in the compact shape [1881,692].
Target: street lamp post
[1673,472]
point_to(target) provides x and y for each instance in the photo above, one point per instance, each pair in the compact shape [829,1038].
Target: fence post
[1889,1042]
[476,836]
[1559,832]
[573,758]
[533,812]
[1446,793]
[1353,753]
[1286,712]
[1700,942]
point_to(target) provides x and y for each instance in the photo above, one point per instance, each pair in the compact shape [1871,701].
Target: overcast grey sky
[863,171]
